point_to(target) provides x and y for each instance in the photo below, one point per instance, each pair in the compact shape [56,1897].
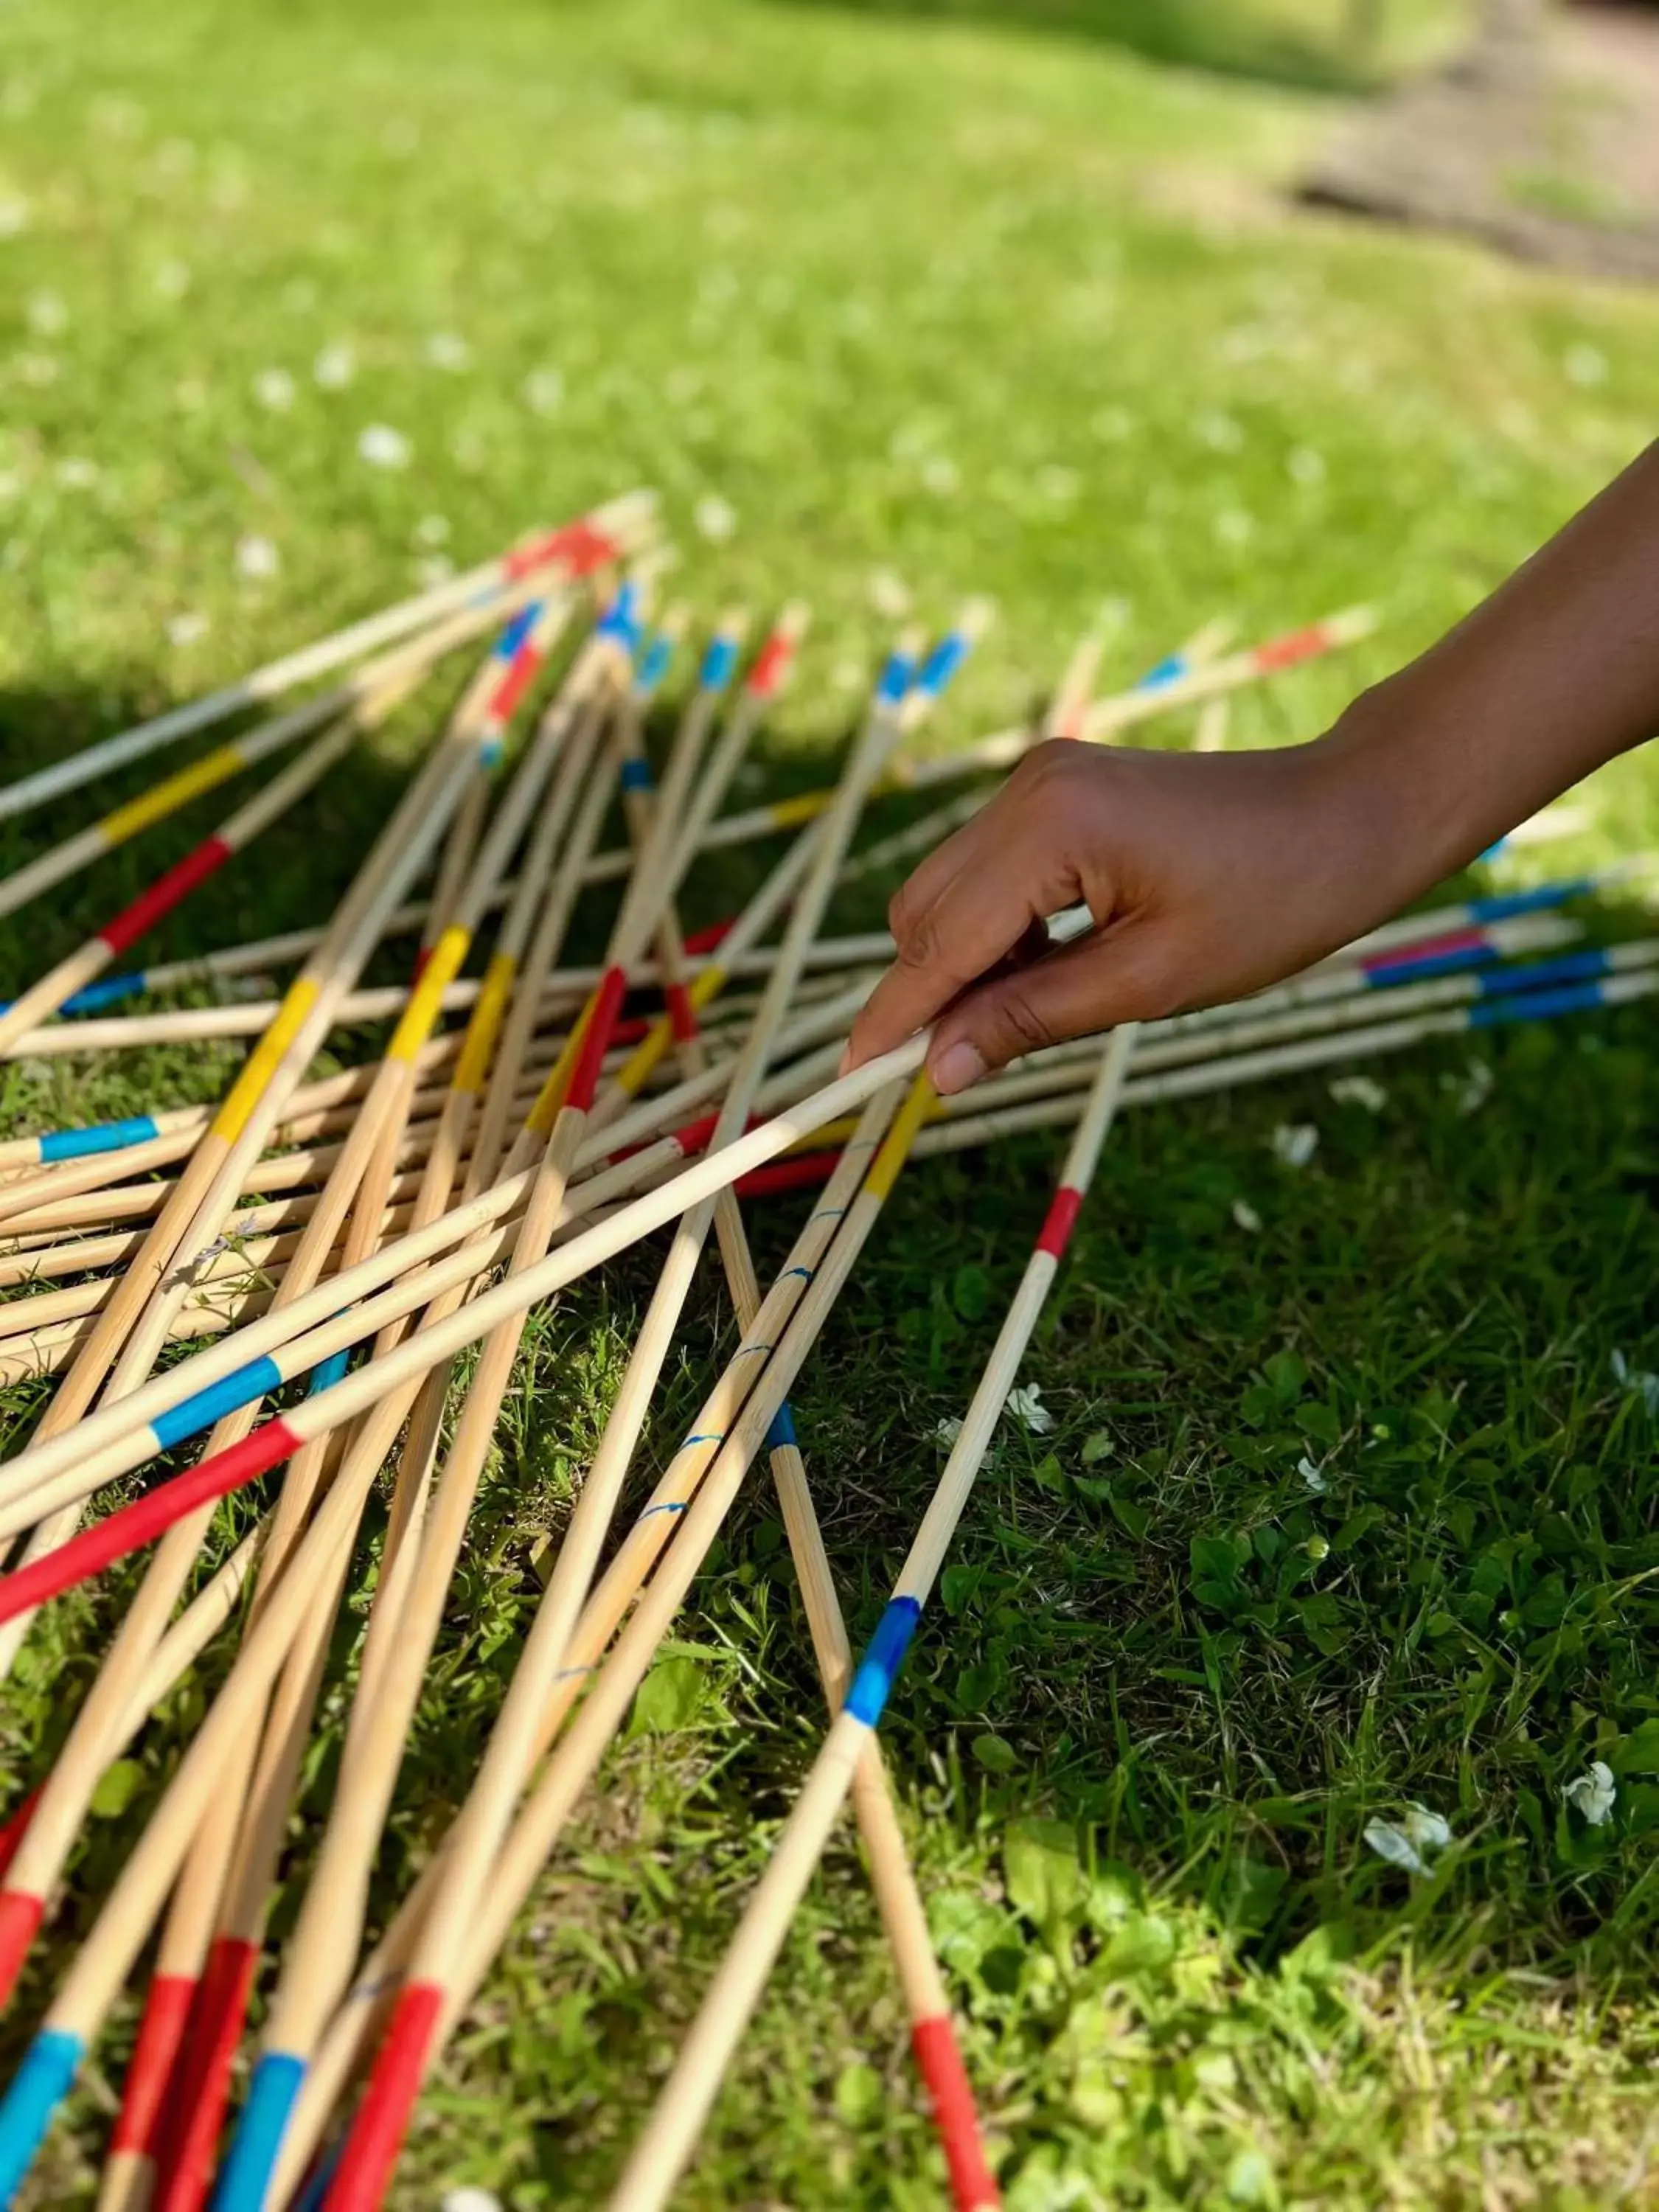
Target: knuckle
[917,942]
[1022,1028]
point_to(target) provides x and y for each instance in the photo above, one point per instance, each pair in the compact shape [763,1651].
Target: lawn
[1344,1512]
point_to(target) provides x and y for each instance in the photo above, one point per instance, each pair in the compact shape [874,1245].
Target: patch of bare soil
[1551,152]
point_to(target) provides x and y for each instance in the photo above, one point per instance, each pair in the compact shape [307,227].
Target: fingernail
[957,1067]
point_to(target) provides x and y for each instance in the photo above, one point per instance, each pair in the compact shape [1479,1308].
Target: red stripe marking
[1425,948]
[693,1137]
[144,1520]
[578,545]
[705,940]
[377,2133]
[520,675]
[1295,645]
[771,664]
[421,959]
[196,2101]
[803,1170]
[160,2031]
[165,893]
[12,1834]
[596,1039]
[19,1918]
[973,2186]
[633,1031]
[682,1014]
[1062,1218]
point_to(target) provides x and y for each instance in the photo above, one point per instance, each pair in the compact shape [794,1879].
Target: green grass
[984,308]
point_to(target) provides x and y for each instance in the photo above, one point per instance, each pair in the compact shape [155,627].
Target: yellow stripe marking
[884,1169]
[420,1016]
[787,812]
[488,1012]
[175,792]
[245,1093]
[550,1100]
[707,984]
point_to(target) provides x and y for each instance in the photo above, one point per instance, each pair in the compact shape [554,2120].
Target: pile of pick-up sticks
[345,1239]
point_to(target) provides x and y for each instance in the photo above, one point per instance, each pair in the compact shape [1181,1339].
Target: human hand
[1208,875]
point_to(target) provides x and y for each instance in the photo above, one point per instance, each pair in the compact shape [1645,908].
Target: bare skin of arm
[1210,875]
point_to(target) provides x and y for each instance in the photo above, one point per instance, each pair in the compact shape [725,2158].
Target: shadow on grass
[1311,51]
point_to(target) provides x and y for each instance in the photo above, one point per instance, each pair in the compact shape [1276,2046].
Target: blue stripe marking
[245,2175]
[37,2087]
[1570,968]
[108,991]
[1502,904]
[490,751]
[1535,1006]
[201,1410]
[942,663]
[895,679]
[102,1137]
[805,1274]
[672,1505]
[636,775]
[1407,970]
[654,665]
[1169,669]
[883,1658]
[518,631]
[328,1373]
[782,1431]
[704,1436]
[621,619]
[720,658]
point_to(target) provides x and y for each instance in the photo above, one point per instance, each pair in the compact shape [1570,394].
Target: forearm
[1554,674]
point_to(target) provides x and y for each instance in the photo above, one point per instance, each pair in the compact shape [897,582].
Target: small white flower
[1359,1090]
[383,448]
[1305,466]
[847,675]
[299,295]
[257,558]
[171,280]
[186,628]
[1234,527]
[715,519]
[1112,425]
[449,350]
[432,529]
[11,485]
[1470,1091]
[432,569]
[542,390]
[1638,1383]
[190,393]
[1219,432]
[1428,1830]
[1025,1404]
[334,366]
[47,314]
[941,475]
[37,368]
[14,215]
[1246,1217]
[1393,1844]
[1585,366]
[470,2200]
[402,137]
[947,1431]
[888,594]
[274,388]
[77,474]
[1592,1794]
[1310,1474]
[1295,1143]
[1060,485]
[680,387]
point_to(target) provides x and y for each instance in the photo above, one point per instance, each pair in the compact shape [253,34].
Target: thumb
[1067,993]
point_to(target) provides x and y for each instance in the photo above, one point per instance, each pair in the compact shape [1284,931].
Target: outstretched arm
[1210,875]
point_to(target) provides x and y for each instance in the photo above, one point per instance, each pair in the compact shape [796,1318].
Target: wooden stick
[661,2155]
[596,539]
